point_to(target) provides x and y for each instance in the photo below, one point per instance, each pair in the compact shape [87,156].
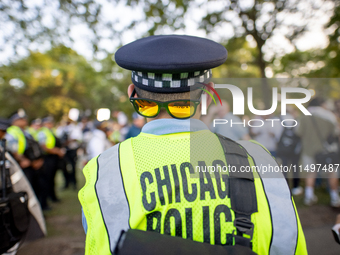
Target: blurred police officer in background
[71,136]
[150,182]
[52,154]
[33,129]
[4,124]
[35,223]
[24,149]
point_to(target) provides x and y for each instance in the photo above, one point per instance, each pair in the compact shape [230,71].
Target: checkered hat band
[159,80]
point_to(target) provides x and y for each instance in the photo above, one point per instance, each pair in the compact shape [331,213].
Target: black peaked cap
[4,124]
[171,54]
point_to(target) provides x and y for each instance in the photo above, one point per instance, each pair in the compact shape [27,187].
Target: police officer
[36,227]
[158,181]
[33,129]
[18,143]
[53,153]
[71,137]
[4,124]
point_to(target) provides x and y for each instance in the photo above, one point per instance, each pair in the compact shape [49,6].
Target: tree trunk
[264,84]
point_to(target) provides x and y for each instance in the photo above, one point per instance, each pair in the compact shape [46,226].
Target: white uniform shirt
[97,144]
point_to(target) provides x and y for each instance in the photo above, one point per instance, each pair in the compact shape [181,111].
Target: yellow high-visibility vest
[19,135]
[33,132]
[151,182]
[50,138]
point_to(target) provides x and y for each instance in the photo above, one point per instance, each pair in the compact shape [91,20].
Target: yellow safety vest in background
[33,132]
[50,138]
[19,135]
[149,183]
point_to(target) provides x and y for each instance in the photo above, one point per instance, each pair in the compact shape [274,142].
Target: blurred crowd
[304,144]
[42,147]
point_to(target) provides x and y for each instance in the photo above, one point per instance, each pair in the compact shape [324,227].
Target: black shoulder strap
[3,171]
[242,190]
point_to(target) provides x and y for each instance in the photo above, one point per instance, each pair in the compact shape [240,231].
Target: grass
[64,212]
[321,191]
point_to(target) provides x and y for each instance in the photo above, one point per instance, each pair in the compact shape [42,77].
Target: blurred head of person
[116,126]
[4,124]
[48,122]
[36,124]
[121,118]
[221,110]
[138,120]
[69,121]
[84,119]
[102,125]
[317,101]
[19,119]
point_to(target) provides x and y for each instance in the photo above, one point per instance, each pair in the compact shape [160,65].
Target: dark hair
[194,94]
[316,101]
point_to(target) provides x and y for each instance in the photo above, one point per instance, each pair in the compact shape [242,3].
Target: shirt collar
[169,126]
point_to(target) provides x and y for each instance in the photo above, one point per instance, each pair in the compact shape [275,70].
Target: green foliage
[48,21]
[115,81]
[332,67]
[52,83]
[55,81]
[316,63]
[241,62]
[299,63]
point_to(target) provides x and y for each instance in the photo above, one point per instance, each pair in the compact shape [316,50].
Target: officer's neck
[167,116]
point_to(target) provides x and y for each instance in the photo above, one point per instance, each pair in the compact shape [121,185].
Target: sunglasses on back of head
[179,109]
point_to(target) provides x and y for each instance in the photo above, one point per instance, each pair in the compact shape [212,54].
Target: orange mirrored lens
[181,109]
[146,108]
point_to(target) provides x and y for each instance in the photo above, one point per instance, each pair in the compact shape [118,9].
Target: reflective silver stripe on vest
[111,194]
[284,223]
